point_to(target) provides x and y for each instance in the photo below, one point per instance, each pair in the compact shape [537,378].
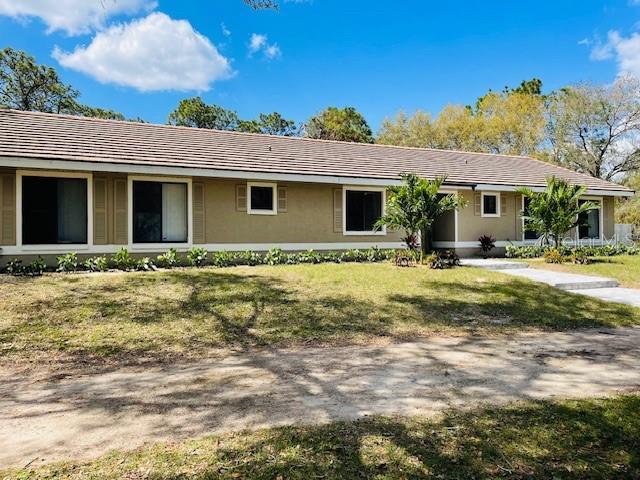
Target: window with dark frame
[159,212]
[363,209]
[589,223]
[54,210]
[529,234]
[261,198]
[490,204]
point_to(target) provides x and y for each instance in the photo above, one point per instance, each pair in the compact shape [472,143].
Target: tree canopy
[194,112]
[511,122]
[595,129]
[26,85]
[344,124]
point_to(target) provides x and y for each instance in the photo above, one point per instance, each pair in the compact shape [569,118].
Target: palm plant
[556,210]
[415,205]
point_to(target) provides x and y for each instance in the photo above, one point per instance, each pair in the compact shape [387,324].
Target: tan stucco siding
[7,207]
[309,217]
[471,225]
[609,217]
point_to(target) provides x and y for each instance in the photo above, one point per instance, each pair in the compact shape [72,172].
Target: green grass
[624,268]
[168,314]
[585,439]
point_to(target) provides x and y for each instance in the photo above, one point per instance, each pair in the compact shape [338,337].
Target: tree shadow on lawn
[593,439]
[169,313]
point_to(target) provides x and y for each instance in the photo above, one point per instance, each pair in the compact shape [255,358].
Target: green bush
[580,257]
[14,267]
[96,264]
[537,251]
[123,260]
[442,260]
[169,259]
[553,256]
[68,262]
[145,264]
[36,267]
[275,256]
[223,259]
[310,256]
[248,258]
[197,256]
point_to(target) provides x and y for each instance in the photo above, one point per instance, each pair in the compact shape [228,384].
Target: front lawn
[185,312]
[624,268]
[583,439]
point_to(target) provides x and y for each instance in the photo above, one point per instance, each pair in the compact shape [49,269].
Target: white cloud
[625,50]
[150,54]
[259,42]
[225,31]
[73,16]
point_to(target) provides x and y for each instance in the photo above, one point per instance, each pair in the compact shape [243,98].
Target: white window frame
[161,245]
[599,200]
[498,206]
[345,189]
[54,247]
[260,211]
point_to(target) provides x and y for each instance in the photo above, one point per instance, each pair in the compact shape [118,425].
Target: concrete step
[564,281]
[493,263]
[620,295]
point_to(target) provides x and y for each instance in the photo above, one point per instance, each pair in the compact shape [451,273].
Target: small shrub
[145,264]
[275,256]
[404,258]
[68,262]
[222,259]
[310,256]
[36,267]
[123,260]
[354,256]
[553,256]
[487,243]
[441,260]
[96,264]
[14,267]
[248,258]
[334,257]
[580,257]
[197,256]
[169,259]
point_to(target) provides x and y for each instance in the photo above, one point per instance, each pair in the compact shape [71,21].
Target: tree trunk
[425,243]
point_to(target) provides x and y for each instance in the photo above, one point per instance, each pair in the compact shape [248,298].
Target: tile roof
[64,137]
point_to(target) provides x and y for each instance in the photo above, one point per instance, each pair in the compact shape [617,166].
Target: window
[528,233]
[490,205]
[589,224]
[159,212]
[54,210]
[363,208]
[262,198]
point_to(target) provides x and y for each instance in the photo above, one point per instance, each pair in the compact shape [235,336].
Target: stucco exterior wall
[309,217]
[471,225]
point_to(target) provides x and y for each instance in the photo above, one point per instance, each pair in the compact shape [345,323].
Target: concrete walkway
[43,420]
[599,287]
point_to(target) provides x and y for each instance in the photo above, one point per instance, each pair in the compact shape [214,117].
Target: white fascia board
[513,188]
[33,163]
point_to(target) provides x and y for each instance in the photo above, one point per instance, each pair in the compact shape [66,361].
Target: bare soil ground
[48,418]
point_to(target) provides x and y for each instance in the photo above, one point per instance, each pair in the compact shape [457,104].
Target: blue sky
[377,56]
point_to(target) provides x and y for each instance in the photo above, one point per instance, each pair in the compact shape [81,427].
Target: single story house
[93,186]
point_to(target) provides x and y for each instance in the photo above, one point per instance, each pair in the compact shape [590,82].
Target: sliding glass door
[159,212]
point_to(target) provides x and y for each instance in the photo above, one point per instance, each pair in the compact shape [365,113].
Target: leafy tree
[415,205]
[596,129]
[262,4]
[194,112]
[628,209]
[25,85]
[553,212]
[271,124]
[344,124]
[512,122]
